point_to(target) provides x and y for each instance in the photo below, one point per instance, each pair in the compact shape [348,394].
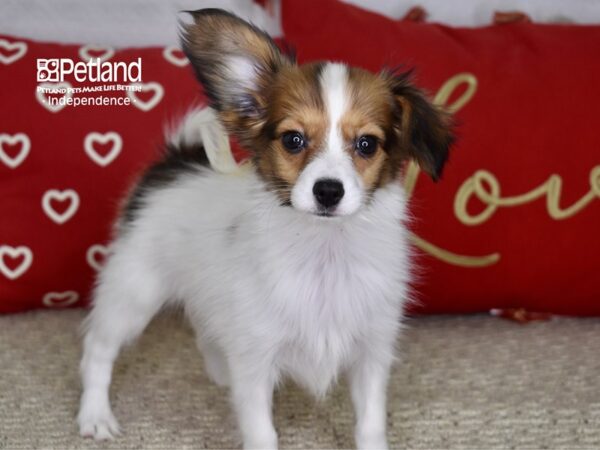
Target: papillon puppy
[297,264]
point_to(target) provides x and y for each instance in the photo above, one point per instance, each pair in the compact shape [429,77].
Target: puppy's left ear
[425,130]
[236,63]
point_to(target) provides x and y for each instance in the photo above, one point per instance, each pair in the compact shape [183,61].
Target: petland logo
[54,70]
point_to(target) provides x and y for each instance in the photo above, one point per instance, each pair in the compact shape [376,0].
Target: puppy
[296,266]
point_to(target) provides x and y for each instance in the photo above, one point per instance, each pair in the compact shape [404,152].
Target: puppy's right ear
[236,62]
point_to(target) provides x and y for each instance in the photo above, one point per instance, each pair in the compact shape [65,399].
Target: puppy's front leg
[252,392]
[368,385]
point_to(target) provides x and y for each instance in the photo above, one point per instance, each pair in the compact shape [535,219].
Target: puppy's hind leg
[126,299]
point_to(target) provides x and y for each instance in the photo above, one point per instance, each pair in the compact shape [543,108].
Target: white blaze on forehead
[334,90]
[332,161]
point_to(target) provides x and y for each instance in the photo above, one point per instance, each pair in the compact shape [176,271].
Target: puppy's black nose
[328,192]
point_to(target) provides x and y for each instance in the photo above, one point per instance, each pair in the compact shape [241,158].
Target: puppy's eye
[293,141]
[366,146]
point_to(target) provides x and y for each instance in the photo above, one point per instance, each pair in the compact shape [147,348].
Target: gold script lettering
[413,170]
[492,198]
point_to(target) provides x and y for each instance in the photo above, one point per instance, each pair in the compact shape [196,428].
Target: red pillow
[515,222]
[63,169]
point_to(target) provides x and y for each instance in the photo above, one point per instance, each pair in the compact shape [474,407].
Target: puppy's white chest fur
[334,284]
[314,292]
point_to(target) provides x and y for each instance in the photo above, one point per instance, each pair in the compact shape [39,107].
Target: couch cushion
[515,221]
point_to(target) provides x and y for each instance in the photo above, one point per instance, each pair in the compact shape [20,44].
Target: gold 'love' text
[484,186]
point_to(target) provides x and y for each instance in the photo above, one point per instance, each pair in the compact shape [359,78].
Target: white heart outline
[15,252]
[90,256]
[48,299]
[103,138]
[84,54]
[169,56]
[14,162]
[22,49]
[149,104]
[42,99]
[56,194]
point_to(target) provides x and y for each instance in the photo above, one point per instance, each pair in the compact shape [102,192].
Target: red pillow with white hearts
[63,169]
[515,222]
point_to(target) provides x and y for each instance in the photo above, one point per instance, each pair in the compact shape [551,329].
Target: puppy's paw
[261,441]
[98,423]
[371,441]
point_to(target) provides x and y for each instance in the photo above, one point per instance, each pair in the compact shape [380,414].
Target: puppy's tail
[201,138]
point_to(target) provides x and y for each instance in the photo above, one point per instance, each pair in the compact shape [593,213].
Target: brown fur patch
[295,105]
[371,113]
[423,130]
[214,42]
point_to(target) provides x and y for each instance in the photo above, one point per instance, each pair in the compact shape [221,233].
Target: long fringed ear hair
[424,131]
[235,62]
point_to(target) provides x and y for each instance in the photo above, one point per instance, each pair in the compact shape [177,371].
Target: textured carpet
[465,382]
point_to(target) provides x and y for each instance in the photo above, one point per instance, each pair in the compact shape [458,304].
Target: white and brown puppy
[297,268]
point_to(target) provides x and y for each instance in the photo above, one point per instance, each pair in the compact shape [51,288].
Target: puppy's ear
[425,131]
[236,63]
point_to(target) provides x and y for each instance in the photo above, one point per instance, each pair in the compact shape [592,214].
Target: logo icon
[48,70]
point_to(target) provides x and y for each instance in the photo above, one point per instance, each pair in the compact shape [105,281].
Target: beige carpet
[466,382]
